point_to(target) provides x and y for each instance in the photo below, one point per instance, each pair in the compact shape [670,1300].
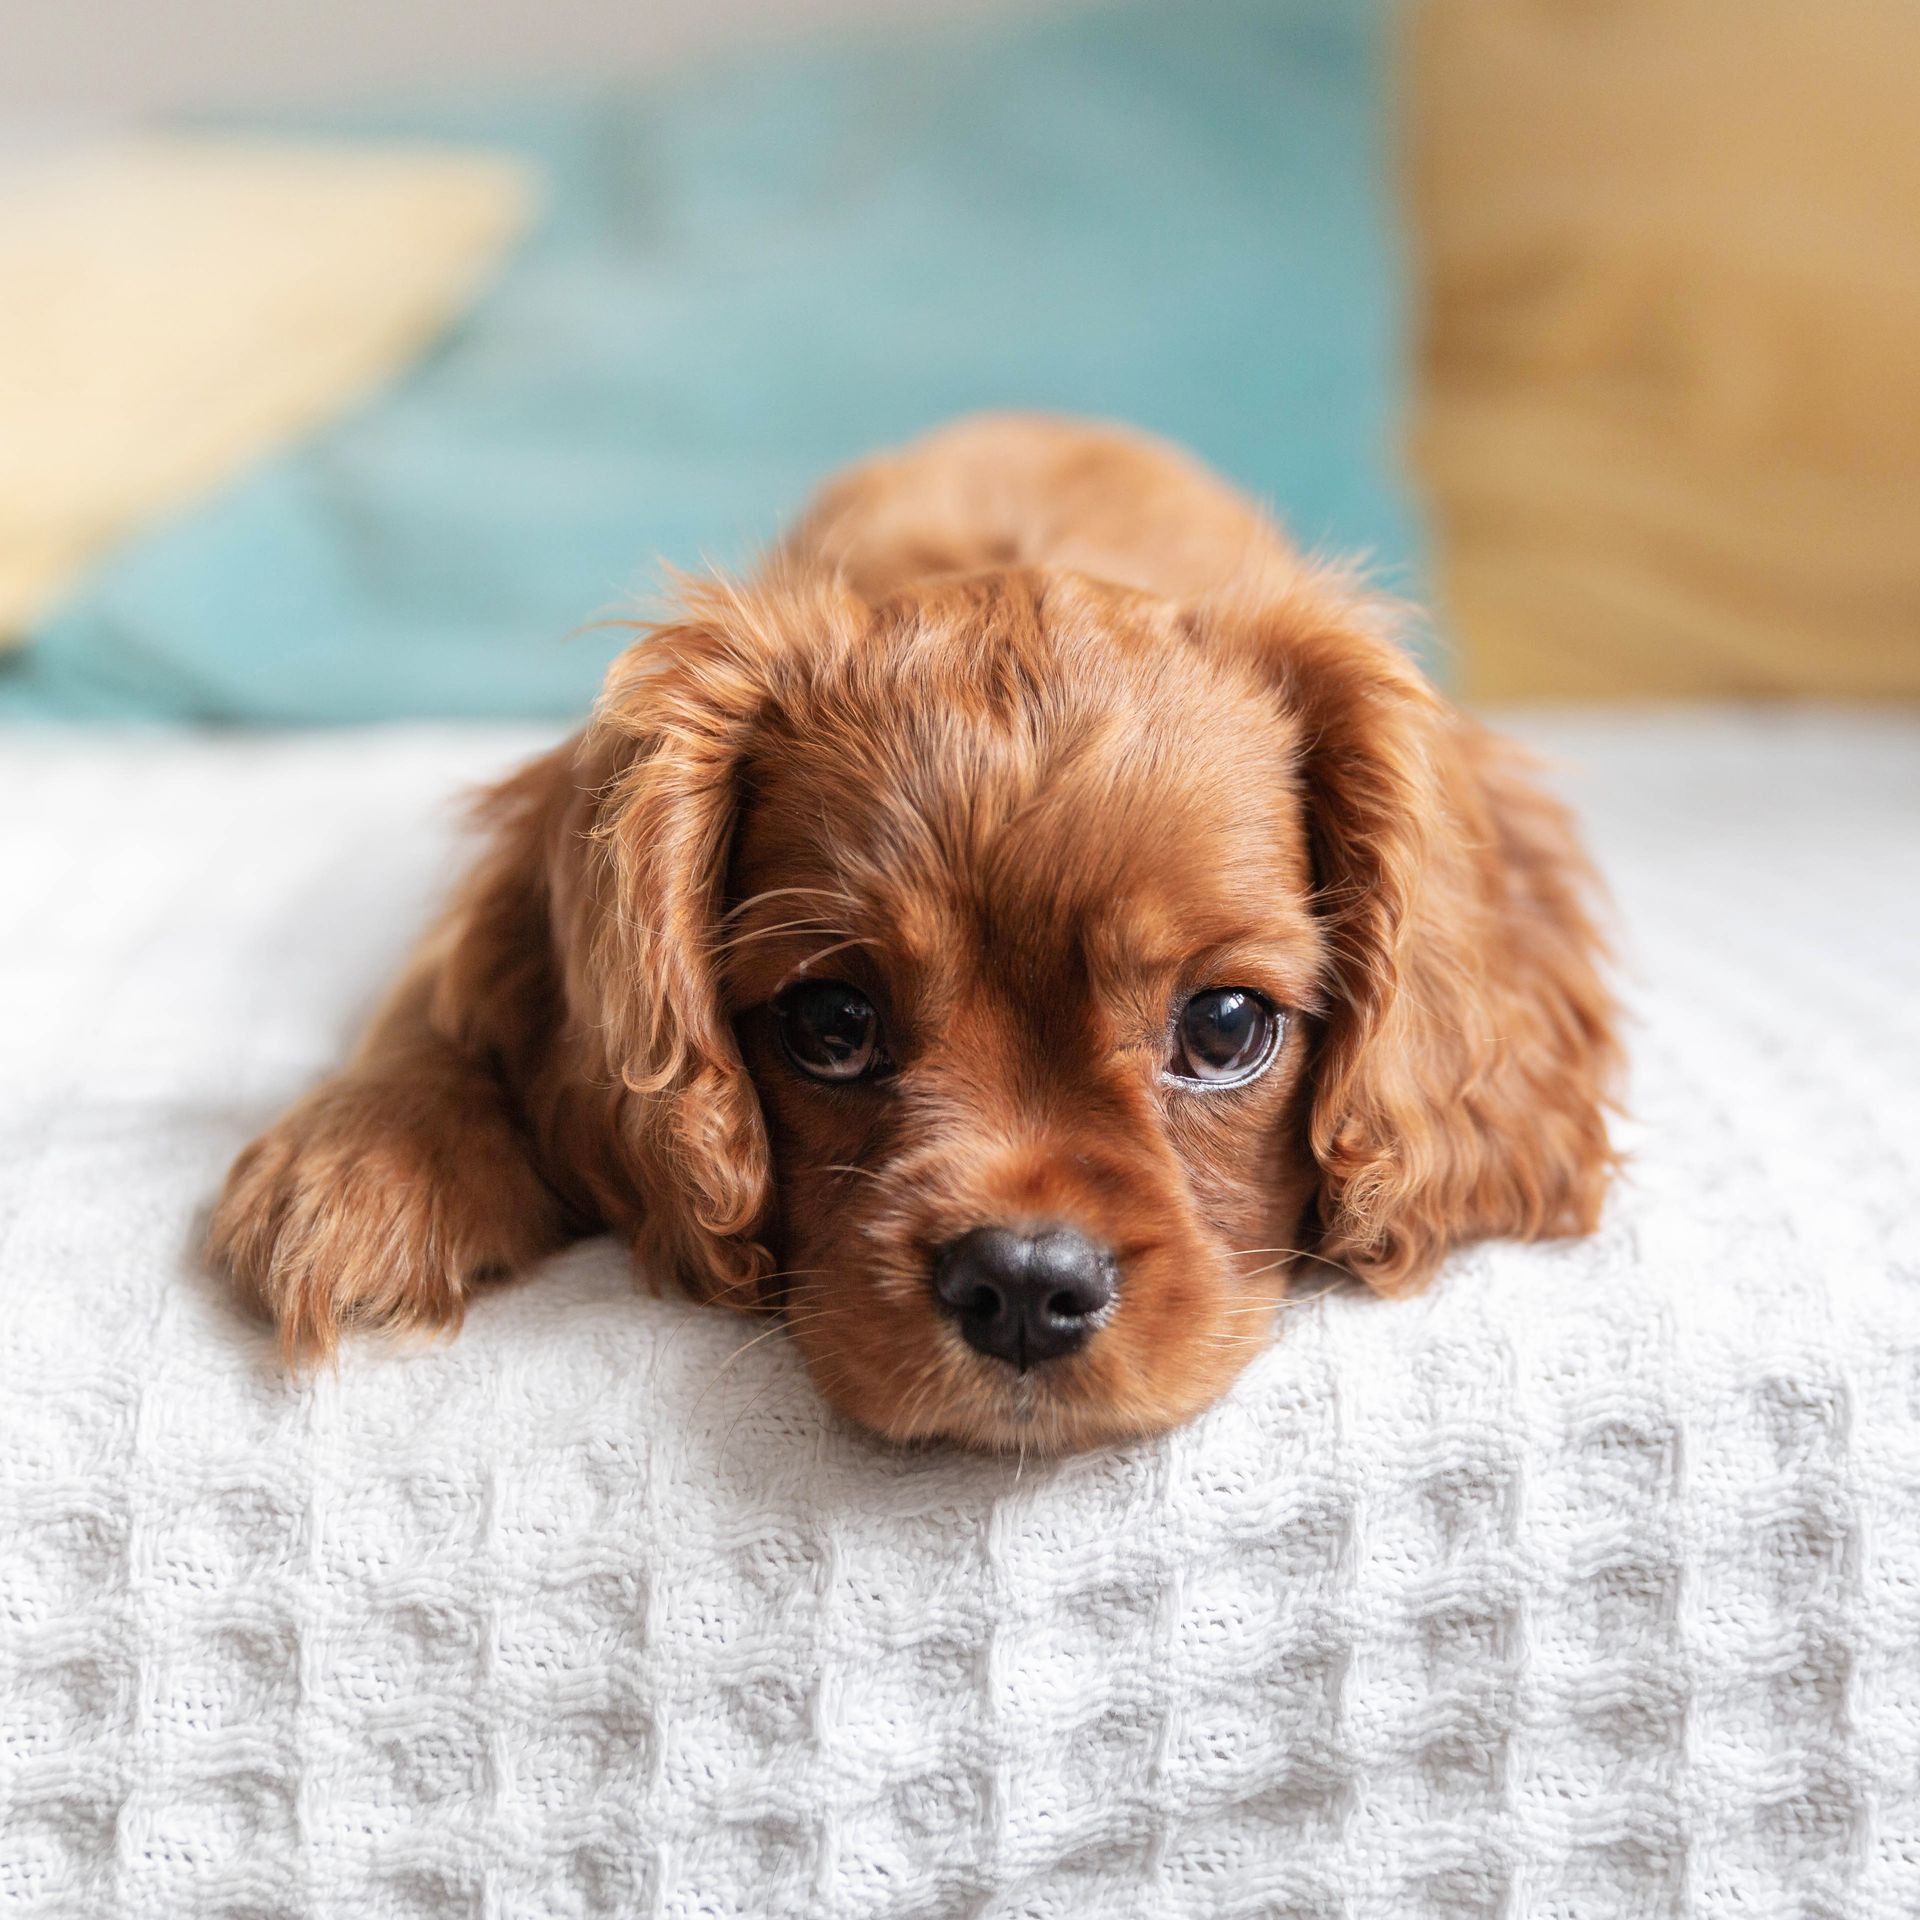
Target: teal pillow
[1177,216]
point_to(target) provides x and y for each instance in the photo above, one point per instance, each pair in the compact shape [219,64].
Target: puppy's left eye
[1224,1037]
[831,1031]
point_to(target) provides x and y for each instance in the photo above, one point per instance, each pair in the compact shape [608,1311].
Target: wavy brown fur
[1027,730]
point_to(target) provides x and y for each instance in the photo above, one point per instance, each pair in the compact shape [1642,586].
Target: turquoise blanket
[1172,215]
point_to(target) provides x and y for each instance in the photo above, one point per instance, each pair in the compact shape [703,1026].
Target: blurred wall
[1668,407]
[61,59]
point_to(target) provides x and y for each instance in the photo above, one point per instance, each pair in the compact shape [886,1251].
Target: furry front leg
[382,1200]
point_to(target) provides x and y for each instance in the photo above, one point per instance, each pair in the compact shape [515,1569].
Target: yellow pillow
[171,309]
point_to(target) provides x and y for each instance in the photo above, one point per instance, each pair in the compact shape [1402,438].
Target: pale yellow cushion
[171,309]
[1669,271]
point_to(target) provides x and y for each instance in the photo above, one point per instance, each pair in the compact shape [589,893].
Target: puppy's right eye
[831,1031]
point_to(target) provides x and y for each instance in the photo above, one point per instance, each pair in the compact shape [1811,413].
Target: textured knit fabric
[1586,1585]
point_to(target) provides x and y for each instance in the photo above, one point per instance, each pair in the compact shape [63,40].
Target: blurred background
[356,359]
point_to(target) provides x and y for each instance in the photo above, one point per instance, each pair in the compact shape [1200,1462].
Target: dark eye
[831,1031]
[1224,1036]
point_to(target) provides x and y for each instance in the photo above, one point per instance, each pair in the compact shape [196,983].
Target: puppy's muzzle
[1025,1297]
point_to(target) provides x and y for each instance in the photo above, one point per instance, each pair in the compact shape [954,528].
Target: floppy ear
[557,1055]
[1461,1084]
[664,760]
[638,910]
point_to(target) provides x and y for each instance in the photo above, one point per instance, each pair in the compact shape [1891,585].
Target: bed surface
[1587,1585]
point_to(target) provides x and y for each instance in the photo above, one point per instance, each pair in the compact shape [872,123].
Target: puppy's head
[1010,980]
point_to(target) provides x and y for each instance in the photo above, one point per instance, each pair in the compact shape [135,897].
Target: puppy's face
[1022,960]
[1005,980]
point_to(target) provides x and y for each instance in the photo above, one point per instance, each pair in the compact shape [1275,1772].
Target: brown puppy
[1002,936]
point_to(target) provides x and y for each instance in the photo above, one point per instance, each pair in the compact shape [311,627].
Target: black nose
[1024,1297]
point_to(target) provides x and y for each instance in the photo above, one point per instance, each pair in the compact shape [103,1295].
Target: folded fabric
[747,276]
[172,309]
[1586,1585]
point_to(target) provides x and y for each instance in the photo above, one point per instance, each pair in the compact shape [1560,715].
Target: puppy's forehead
[1112,794]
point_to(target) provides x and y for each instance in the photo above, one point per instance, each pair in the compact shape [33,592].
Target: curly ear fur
[1465,1070]
[664,759]
[557,1057]
[666,747]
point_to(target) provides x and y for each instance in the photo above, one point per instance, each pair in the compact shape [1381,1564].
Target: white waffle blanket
[1588,1585]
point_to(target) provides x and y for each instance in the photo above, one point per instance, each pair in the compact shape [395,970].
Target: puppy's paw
[380,1204]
